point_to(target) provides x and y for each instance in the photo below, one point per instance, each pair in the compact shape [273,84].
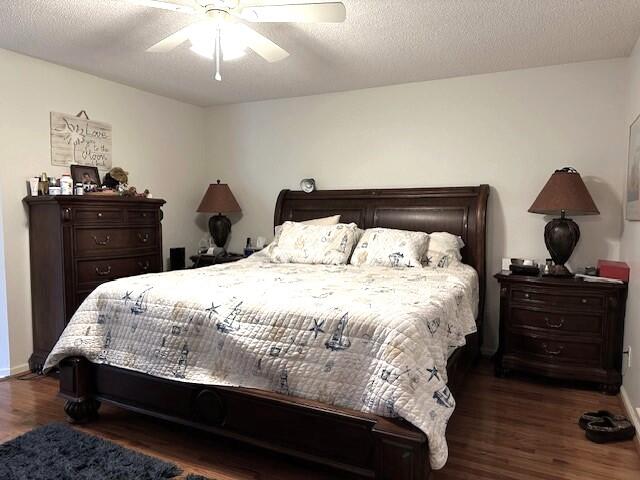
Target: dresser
[563,328]
[79,242]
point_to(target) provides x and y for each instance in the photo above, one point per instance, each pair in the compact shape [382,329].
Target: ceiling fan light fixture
[203,42]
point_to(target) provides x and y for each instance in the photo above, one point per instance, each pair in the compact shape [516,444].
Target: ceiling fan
[219,34]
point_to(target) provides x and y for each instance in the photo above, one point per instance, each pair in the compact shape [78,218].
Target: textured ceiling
[382,42]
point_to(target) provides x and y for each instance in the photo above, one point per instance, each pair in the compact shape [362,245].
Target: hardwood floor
[502,429]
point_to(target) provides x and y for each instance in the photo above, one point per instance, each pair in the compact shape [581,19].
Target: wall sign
[80,141]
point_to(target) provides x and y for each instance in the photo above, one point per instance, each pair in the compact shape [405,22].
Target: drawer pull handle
[584,301]
[143,237]
[545,347]
[554,325]
[144,266]
[99,214]
[103,273]
[104,242]
[527,296]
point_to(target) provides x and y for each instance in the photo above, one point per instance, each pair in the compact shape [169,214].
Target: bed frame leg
[82,412]
[80,406]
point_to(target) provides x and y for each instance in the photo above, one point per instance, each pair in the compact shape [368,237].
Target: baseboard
[18,369]
[15,370]
[632,415]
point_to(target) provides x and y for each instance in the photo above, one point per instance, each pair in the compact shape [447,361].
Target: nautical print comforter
[373,339]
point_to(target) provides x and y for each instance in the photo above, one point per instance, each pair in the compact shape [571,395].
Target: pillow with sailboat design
[390,248]
[444,250]
[315,244]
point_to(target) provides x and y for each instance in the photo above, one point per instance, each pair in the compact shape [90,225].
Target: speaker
[177,258]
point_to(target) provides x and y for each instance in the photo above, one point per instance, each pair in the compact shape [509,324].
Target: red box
[611,269]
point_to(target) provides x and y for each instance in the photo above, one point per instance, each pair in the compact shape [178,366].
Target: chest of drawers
[563,328]
[79,242]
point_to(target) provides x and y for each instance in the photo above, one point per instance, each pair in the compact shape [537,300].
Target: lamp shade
[565,192]
[219,199]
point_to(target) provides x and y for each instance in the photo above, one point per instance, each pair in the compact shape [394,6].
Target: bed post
[481,262]
[400,456]
[80,407]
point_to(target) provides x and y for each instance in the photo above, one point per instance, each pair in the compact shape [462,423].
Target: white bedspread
[373,339]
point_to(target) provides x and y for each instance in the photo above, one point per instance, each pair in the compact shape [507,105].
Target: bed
[291,412]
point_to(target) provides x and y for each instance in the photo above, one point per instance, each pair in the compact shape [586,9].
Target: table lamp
[219,199]
[566,194]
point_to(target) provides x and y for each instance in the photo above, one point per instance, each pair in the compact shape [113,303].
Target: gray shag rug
[58,452]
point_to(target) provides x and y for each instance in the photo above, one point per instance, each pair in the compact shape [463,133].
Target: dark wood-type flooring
[514,428]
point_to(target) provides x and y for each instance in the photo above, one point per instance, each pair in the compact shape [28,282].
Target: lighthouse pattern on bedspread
[373,339]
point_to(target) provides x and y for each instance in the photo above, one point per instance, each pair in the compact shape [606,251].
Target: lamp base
[219,228]
[558,271]
[561,236]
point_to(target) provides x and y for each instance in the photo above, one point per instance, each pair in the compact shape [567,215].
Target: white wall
[159,141]
[5,366]
[510,130]
[630,253]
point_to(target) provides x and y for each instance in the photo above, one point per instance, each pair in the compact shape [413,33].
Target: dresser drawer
[554,350]
[97,241]
[144,216]
[93,215]
[99,271]
[569,323]
[552,299]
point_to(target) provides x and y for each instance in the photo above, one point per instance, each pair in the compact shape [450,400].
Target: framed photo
[633,173]
[85,175]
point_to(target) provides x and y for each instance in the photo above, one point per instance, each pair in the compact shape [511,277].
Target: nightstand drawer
[569,323]
[552,299]
[553,350]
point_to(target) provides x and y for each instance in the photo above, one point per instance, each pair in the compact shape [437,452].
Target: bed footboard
[362,444]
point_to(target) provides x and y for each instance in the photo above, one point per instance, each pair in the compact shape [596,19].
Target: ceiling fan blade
[260,44]
[331,12]
[172,41]
[179,6]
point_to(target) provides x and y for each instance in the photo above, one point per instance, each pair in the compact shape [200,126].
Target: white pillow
[333,220]
[390,248]
[316,244]
[443,250]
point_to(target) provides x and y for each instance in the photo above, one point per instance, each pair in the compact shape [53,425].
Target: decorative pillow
[444,250]
[390,248]
[333,220]
[318,244]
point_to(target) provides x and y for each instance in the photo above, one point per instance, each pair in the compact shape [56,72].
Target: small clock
[308,185]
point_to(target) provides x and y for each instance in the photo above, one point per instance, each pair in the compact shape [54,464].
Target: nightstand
[563,328]
[204,260]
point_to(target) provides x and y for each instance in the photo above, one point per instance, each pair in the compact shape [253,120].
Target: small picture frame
[86,175]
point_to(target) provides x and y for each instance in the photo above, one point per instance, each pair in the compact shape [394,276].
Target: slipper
[609,430]
[589,417]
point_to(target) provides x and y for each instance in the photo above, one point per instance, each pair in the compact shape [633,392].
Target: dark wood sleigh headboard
[457,210]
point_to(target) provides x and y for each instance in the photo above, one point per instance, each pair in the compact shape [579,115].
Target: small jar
[66,184]
[79,189]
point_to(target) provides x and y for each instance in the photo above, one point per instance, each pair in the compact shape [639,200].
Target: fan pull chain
[218,77]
